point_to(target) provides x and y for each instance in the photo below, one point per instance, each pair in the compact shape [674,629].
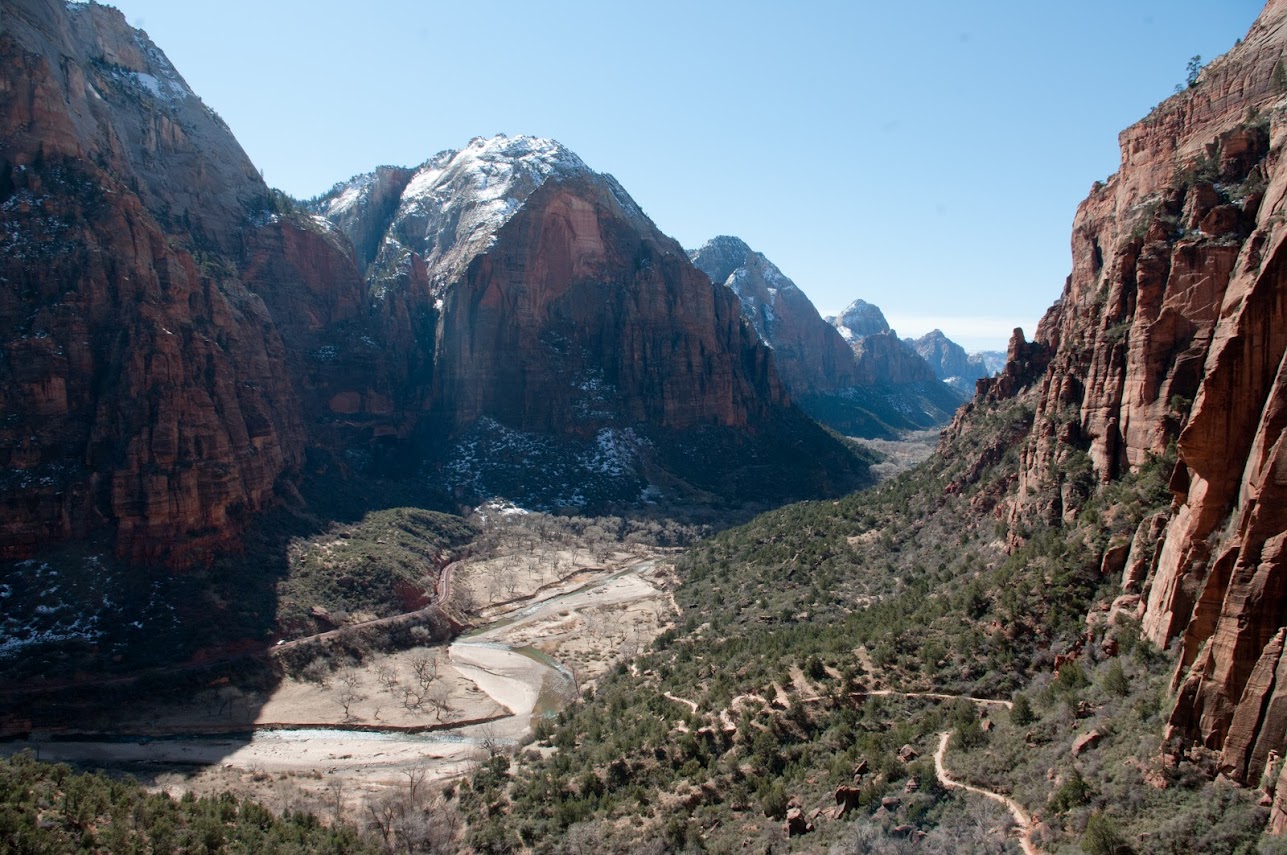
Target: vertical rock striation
[1171,333]
[144,386]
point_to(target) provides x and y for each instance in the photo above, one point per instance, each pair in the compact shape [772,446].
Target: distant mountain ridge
[949,360]
[858,378]
[808,353]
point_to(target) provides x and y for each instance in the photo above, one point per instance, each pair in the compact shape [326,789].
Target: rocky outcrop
[562,308]
[809,353]
[1171,333]
[364,207]
[446,212]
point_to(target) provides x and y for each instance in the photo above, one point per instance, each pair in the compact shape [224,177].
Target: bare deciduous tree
[413,698]
[346,696]
[388,677]
[439,696]
[489,740]
[335,789]
[415,778]
[424,665]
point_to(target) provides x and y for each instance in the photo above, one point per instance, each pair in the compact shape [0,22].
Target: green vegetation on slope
[50,809]
[383,564]
[794,624]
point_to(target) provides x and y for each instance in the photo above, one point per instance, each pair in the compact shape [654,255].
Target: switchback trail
[1021,817]
[938,696]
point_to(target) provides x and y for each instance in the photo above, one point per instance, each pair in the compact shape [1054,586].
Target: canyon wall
[1169,341]
[174,338]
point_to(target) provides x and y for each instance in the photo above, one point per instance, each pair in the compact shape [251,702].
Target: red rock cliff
[144,386]
[582,314]
[171,343]
[1172,329]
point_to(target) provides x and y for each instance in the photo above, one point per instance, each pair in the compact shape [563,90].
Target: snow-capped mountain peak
[451,206]
[496,174]
[859,320]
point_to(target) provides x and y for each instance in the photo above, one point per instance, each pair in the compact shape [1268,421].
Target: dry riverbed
[548,628]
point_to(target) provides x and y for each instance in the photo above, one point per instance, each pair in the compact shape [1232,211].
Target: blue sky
[927,157]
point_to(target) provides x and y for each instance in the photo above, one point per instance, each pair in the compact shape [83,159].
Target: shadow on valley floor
[91,646]
[157,673]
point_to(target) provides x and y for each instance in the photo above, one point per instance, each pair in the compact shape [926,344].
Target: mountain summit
[949,360]
[859,320]
[449,208]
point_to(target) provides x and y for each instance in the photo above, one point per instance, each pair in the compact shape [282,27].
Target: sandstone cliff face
[1172,331]
[359,358]
[80,83]
[172,344]
[364,207]
[809,353]
[145,387]
[851,373]
[583,315]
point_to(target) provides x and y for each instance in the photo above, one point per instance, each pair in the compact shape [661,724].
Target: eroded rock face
[82,84]
[360,357]
[1172,330]
[578,317]
[171,344]
[145,386]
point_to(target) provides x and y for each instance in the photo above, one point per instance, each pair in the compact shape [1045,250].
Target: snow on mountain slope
[859,320]
[449,209]
[756,281]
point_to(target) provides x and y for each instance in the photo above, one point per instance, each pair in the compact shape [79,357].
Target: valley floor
[551,623]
